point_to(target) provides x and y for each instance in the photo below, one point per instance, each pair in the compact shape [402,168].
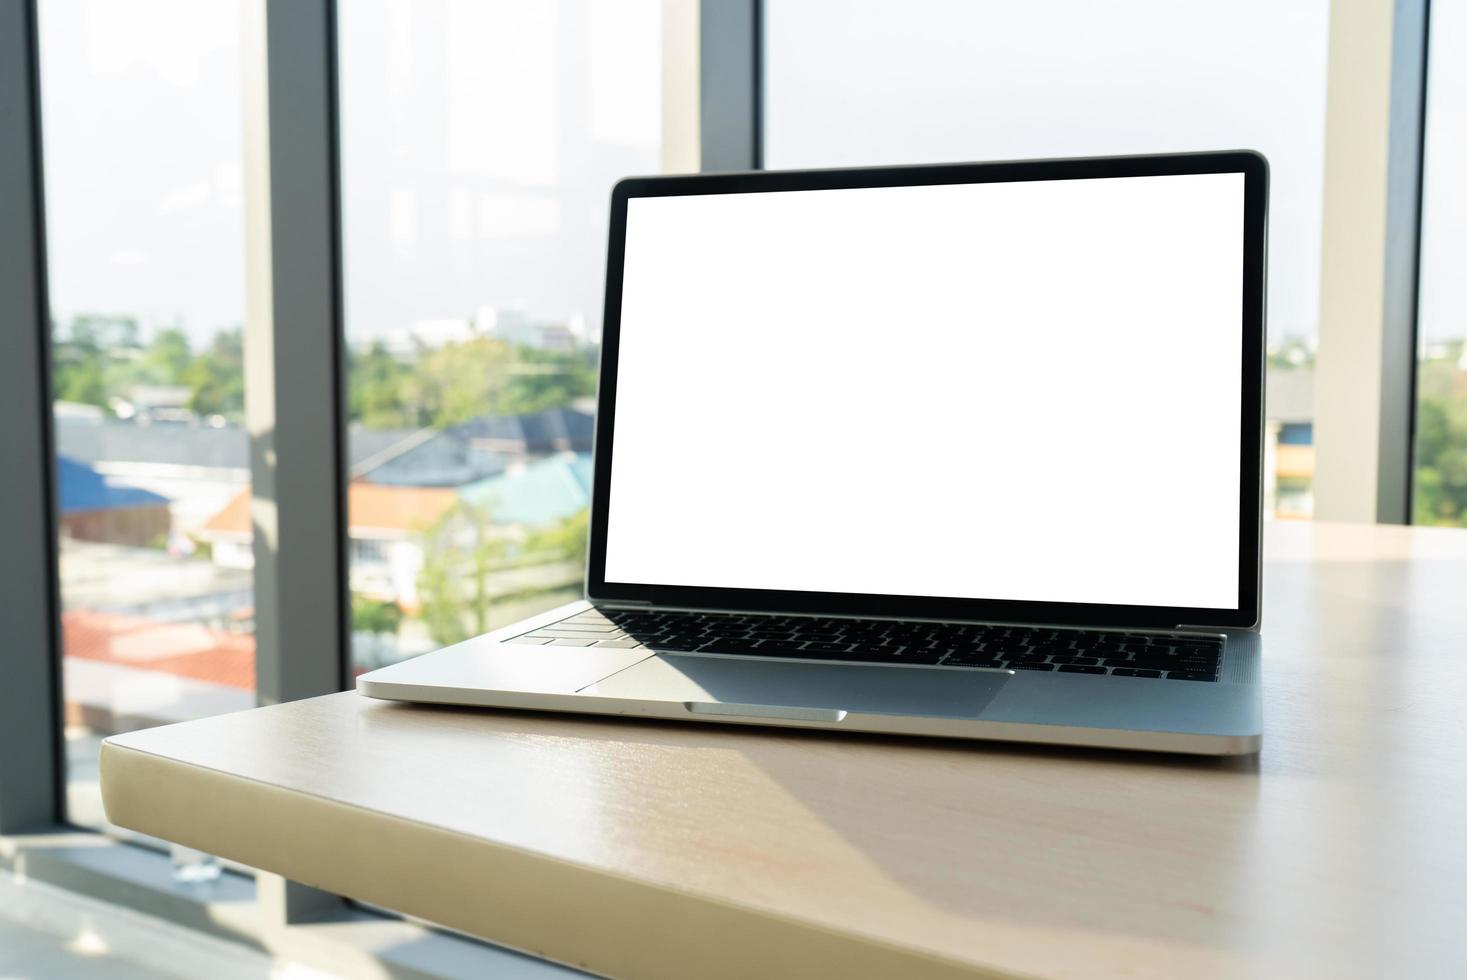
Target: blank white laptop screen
[1000,391]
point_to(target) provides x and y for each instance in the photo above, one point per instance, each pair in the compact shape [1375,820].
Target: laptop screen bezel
[1254,169]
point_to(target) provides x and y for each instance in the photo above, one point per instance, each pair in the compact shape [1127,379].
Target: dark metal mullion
[294,356]
[31,756]
[757,44]
[1411,63]
[1400,264]
[340,399]
[729,83]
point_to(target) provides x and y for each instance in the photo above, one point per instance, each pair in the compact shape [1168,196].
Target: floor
[27,953]
[48,932]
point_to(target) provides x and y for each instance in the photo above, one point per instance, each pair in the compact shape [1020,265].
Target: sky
[480,141]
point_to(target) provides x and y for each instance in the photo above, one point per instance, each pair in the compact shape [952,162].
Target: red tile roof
[182,649]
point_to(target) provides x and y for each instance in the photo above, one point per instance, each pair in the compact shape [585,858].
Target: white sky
[480,139]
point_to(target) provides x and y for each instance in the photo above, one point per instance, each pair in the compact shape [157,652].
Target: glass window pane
[479,144]
[852,82]
[141,111]
[1441,384]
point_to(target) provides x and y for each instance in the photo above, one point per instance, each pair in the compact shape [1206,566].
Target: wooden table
[659,850]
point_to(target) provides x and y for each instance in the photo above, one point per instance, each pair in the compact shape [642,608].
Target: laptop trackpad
[704,682]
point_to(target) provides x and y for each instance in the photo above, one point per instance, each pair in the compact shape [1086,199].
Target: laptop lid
[1021,392]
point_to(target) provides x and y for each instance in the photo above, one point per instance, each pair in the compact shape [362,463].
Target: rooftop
[553,430]
[371,507]
[538,493]
[81,489]
[116,441]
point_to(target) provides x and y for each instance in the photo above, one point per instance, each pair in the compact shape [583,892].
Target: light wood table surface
[641,849]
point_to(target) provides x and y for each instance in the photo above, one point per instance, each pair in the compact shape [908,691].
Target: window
[852,83]
[1441,381]
[479,143]
[143,153]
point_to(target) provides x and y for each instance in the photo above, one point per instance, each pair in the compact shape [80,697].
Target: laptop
[971,451]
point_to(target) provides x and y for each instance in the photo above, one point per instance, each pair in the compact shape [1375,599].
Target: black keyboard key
[962,662]
[829,646]
[1075,661]
[782,645]
[1080,669]
[677,642]
[856,655]
[1174,663]
[914,655]
[1133,672]
[727,646]
[1188,675]
[1031,656]
[1024,665]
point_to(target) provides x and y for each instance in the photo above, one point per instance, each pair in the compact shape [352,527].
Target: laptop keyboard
[1148,655]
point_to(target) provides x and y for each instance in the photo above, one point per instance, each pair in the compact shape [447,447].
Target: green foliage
[1441,441]
[457,382]
[81,379]
[166,359]
[459,553]
[100,359]
[377,384]
[565,540]
[216,377]
[372,616]
[464,552]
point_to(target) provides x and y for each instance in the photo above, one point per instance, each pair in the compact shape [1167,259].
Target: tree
[167,358]
[1441,440]
[460,551]
[457,382]
[80,365]
[377,383]
[566,539]
[216,377]
[451,384]
[375,617]
[82,379]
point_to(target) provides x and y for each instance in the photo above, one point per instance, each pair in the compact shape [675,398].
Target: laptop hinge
[618,603]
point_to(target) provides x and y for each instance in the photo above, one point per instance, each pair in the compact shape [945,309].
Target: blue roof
[81,488]
[544,491]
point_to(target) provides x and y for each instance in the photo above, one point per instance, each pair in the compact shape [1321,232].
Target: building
[419,457]
[385,530]
[466,453]
[198,468]
[536,493]
[95,508]
[554,430]
[125,670]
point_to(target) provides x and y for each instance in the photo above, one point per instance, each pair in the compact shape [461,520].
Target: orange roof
[371,507]
[181,649]
[234,518]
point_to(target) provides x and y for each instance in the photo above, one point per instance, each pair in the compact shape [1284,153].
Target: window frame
[297,367]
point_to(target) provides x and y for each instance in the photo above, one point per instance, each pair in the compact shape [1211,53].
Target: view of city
[475,175]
